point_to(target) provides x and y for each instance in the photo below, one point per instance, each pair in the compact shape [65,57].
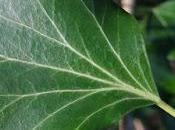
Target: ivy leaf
[63,68]
[165,13]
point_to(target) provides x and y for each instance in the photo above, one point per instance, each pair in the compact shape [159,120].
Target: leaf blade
[52,63]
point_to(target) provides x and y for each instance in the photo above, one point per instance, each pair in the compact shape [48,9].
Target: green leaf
[165,13]
[62,68]
[171,55]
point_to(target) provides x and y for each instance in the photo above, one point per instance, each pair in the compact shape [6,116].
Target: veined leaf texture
[70,65]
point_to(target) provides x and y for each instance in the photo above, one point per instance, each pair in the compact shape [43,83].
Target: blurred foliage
[171,55]
[165,13]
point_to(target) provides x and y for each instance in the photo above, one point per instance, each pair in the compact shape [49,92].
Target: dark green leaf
[63,69]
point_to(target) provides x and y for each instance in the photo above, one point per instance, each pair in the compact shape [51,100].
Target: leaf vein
[103,108]
[113,50]
[62,70]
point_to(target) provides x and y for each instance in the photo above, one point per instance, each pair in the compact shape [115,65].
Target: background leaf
[165,13]
[64,66]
